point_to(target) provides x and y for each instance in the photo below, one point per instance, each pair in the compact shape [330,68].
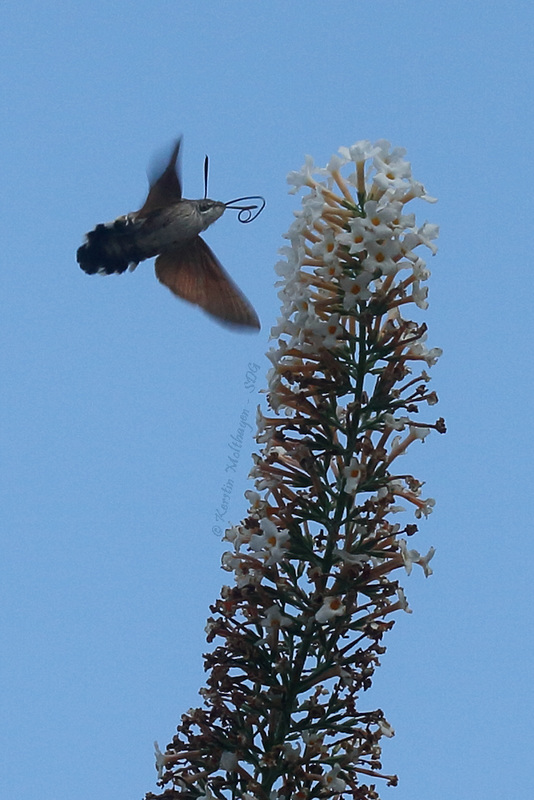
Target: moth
[168,226]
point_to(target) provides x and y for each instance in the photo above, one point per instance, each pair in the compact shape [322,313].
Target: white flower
[257,503]
[348,558]
[386,728]
[396,423]
[312,737]
[419,295]
[418,350]
[333,781]
[423,561]
[229,561]
[243,573]
[352,474]
[403,601]
[355,289]
[392,166]
[424,507]
[383,256]
[313,206]
[428,232]
[360,151]
[274,619]
[335,163]
[358,237]
[408,556]
[433,355]
[383,220]
[332,607]
[271,543]
[160,760]
[303,177]
[326,334]
[238,535]
[325,249]
[423,235]
[419,432]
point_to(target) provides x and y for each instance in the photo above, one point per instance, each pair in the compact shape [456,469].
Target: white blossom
[331,607]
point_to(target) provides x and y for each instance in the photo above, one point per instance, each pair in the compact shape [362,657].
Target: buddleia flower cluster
[299,632]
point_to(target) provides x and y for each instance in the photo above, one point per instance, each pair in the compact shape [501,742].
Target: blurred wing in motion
[117,245]
[195,274]
[166,190]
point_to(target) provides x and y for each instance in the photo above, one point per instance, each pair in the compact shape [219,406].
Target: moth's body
[168,226]
[115,246]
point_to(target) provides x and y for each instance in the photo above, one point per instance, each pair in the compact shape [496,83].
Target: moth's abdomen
[111,248]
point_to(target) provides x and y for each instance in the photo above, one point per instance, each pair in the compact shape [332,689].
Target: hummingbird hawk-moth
[168,227]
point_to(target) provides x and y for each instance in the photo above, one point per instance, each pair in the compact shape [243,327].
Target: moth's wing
[166,190]
[195,274]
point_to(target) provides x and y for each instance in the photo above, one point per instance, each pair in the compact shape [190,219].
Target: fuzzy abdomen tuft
[110,248]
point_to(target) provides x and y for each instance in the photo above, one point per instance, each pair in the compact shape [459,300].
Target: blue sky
[119,401]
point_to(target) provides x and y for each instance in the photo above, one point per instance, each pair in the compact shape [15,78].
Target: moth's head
[209,211]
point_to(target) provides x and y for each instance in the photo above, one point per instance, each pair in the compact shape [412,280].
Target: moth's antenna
[206,165]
